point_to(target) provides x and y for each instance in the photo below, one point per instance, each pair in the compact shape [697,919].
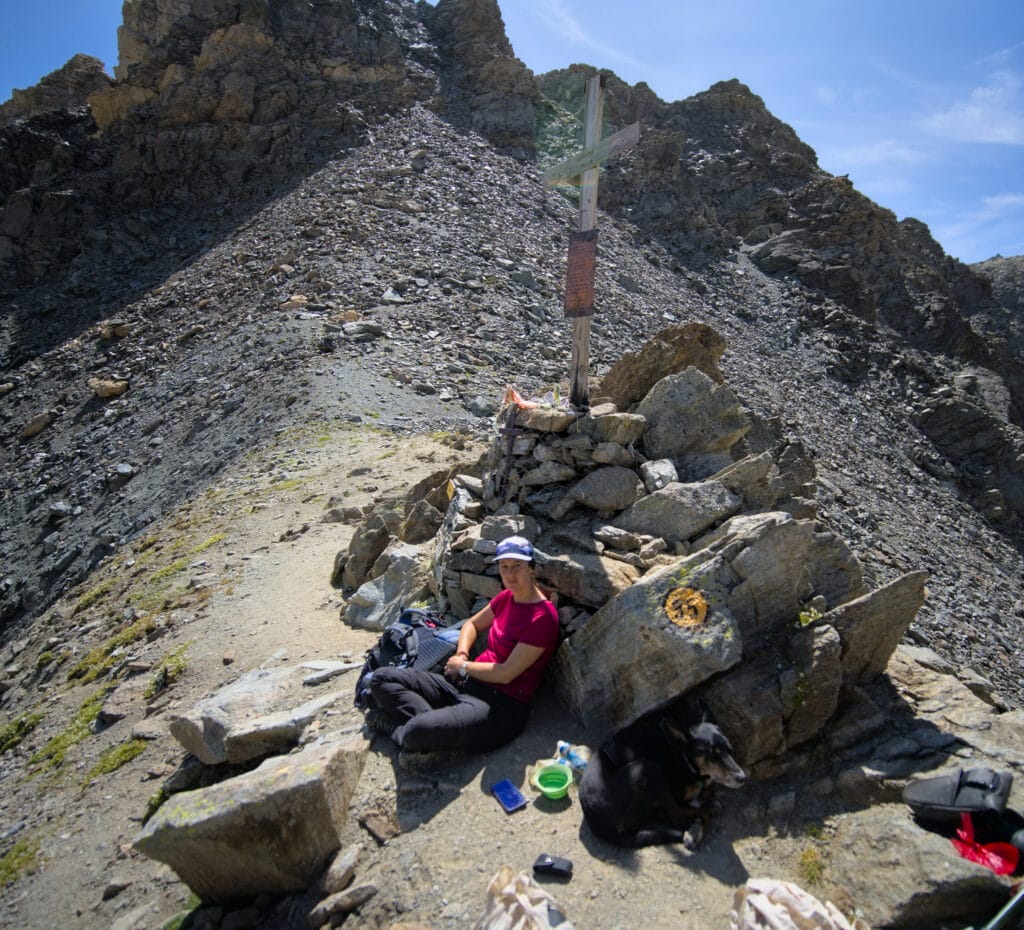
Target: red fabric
[1001,858]
[533,624]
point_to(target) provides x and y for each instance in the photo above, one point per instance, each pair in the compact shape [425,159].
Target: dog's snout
[724,771]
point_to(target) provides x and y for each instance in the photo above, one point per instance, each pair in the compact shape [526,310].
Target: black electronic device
[552,865]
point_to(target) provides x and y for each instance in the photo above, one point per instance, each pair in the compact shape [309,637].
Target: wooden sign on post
[579,274]
[582,262]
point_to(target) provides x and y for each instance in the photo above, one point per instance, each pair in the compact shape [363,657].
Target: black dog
[650,782]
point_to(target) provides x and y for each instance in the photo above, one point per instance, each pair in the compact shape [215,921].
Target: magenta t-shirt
[534,624]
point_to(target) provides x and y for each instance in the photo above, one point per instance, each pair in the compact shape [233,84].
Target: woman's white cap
[514,547]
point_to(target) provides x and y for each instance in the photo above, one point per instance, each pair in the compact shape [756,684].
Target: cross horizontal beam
[571,168]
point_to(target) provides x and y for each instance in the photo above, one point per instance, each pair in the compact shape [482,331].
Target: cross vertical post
[579,290]
[579,382]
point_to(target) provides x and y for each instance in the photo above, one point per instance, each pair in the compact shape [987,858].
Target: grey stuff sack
[939,801]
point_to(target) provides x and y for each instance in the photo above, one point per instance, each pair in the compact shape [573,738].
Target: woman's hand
[455,668]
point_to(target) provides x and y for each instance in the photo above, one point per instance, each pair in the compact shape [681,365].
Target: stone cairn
[677,535]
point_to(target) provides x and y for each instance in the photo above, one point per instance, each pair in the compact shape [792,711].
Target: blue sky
[921,102]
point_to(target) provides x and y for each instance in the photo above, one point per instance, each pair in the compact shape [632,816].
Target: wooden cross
[579,278]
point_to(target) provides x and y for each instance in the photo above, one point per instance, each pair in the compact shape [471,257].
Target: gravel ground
[386,304]
[409,299]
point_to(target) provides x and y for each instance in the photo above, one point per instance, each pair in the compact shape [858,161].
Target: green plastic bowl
[553,781]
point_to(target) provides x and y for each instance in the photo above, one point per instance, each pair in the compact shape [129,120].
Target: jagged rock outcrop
[223,75]
[230,99]
[718,174]
[67,88]
[673,349]
[1006,276]
[969,425]
[500,93]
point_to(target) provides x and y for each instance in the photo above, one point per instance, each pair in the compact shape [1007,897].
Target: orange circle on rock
[686,607]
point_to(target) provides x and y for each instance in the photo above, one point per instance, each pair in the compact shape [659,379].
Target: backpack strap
[412,645]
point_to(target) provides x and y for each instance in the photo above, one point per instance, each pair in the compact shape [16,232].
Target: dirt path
[252,589]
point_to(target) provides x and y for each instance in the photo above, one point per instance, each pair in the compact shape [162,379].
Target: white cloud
[561,21]
[1003,202]
[992,210]
[827,94]
[959,235]
[881,152]
[993,113]
[886,170]
[1001,57]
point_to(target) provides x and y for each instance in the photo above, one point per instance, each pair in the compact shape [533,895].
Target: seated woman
[481,704]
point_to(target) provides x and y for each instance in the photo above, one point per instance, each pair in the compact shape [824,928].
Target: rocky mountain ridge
[198,277]
[427,225]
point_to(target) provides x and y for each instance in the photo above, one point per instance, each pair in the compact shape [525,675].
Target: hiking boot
[377,721]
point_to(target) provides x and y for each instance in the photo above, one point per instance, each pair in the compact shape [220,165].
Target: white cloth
[765,904]
[517,902]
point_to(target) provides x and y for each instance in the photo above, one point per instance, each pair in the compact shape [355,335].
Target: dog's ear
[673,732]
[707,737]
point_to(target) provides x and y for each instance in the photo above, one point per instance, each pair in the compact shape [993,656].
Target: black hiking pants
[432,713]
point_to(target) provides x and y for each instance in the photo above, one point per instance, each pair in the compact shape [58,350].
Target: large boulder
[606,490]
[547,473]
[501,526]
[672,350]
[777,565]
[749,478]
[748,707]
[872,626]
[270,831]
[401,576]
[678,512]
[740,596]
[779,698]
[586,579]
[422,523]
[689,413]
[898,875]
[635,654]
[545,419]
[658,473]
[370,539]
[810,682]
[263,712]
[621,428]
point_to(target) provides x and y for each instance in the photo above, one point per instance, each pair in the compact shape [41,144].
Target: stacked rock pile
[611,494]
[678,540]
